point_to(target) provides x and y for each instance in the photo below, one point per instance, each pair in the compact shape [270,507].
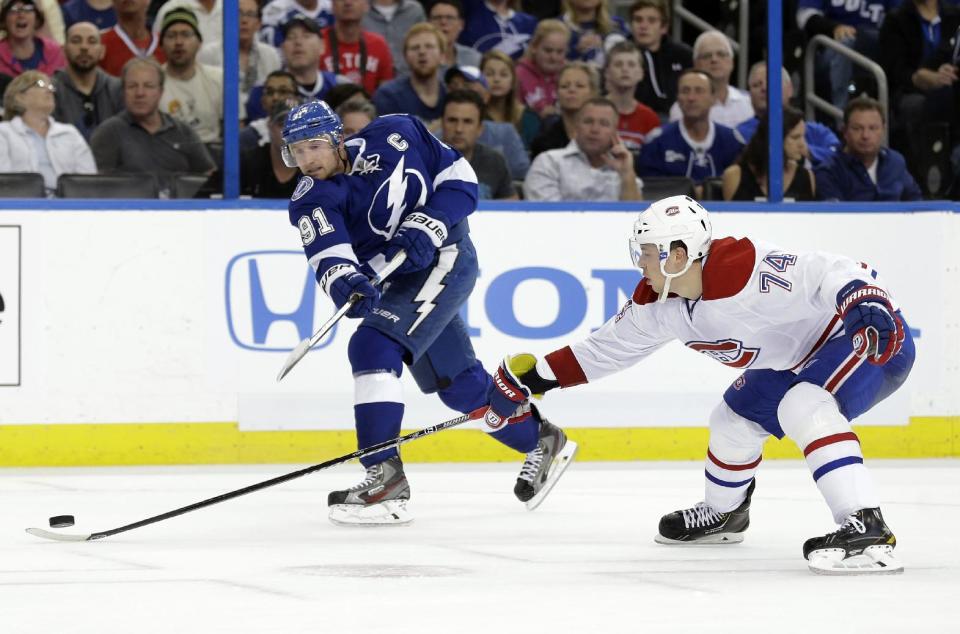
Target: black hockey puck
[61,521]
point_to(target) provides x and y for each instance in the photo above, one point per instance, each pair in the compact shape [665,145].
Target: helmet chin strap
[662,297]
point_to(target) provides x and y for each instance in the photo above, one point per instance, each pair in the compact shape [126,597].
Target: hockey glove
[870,322]
[420,235]
[342,281]
[514,382]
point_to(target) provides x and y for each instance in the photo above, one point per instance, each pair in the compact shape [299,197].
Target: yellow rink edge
[224,443]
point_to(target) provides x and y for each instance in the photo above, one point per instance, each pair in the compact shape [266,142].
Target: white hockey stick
[304,346]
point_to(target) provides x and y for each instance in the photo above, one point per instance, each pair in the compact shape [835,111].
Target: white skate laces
[700,515]
[531,466]
[857,525]
[372,474]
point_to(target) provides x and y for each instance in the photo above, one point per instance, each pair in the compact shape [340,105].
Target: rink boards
[154,337]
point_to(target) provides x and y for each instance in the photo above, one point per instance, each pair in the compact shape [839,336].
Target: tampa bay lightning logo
[391,197]
[302,188]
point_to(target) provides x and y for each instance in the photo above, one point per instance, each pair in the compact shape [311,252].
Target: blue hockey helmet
[311,120]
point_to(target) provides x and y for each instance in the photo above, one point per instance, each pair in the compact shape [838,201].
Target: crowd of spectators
[560,100]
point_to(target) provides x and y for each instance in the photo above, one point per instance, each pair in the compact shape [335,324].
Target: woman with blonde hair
[592,29]
[22,47]
[578,82]
[30,139]
[537,70]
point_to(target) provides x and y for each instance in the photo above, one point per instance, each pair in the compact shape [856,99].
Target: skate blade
[560,463]
[389,513]
[875,560]
[711,540]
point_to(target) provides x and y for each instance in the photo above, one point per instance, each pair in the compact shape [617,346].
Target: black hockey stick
[360,453]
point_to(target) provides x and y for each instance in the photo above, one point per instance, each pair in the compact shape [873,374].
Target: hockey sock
[733,457]
[810,416]
[727,482]
[522,435]
[836,463]
[378,394]
[376,423]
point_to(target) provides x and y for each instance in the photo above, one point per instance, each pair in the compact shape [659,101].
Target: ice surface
[473,560]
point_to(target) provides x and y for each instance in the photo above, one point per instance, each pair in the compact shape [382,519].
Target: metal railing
[813,102]
[741,47]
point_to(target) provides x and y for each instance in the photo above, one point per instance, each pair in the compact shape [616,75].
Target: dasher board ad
[9,305]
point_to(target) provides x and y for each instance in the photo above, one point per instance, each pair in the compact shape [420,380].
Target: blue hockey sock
[377,422]
[522,436]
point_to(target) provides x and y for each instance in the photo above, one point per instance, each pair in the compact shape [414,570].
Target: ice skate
[380,500]
[544,465]
[702,524]
[862,545]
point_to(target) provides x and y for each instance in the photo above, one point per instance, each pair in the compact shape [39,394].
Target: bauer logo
[272,301]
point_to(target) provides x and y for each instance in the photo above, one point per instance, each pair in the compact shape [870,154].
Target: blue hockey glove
[343,281]
[870,322]
[420,235]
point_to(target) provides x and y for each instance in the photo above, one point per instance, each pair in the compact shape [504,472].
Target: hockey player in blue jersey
[395,188]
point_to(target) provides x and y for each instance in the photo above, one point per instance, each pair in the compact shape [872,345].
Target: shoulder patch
[305,184]
[729,267]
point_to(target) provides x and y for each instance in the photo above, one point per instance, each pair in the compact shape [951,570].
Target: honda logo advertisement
[273,301]
[9,306]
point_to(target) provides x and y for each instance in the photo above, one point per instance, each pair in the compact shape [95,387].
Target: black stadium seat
[21,185]
[657,187]
[713,188]
[107,186]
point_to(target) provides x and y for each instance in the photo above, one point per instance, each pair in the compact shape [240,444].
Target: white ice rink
[473,560]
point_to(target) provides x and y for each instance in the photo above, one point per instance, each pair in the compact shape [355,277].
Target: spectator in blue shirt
[694,146]
[821,141]
[864,170]
[421,93]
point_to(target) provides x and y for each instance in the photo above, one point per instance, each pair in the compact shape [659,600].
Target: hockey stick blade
[360,453]
[304,346]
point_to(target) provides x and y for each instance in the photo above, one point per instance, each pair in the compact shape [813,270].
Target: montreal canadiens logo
[672,211]
[729,352]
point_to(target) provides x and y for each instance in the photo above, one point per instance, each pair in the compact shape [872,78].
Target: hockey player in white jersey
[818,339]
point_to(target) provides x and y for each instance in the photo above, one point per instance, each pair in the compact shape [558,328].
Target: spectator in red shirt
[361,56]
[130,37]
[622,73]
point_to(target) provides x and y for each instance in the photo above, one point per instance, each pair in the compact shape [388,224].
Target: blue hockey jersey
[485,30]
[396,167]
[669,151]
[849,12]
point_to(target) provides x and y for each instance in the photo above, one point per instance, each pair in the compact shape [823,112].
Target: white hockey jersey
[761,308]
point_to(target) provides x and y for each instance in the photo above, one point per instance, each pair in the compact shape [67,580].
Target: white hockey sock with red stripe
[810,416]
[733,456]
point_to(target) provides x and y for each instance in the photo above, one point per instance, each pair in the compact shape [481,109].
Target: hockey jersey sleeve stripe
[459,170]
[829,440]
[343,251]
[566,367]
